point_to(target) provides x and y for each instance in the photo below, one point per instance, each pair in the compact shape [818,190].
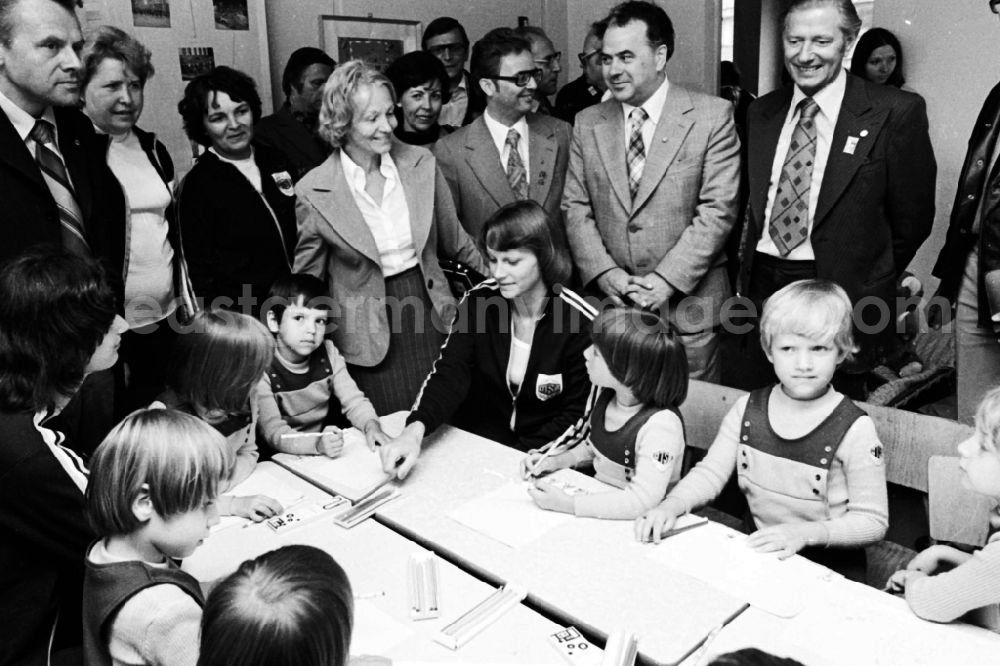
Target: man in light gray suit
[508,153]
[652,187]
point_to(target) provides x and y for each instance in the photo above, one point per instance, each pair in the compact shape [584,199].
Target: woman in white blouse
[115,70]
[373,220]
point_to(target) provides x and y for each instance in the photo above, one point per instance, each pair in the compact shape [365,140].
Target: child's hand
[898,581]
[933,559]
[255,507]
[786,540]
[528,463]
[551,498]
[651,525]
[330,442]
[374,435]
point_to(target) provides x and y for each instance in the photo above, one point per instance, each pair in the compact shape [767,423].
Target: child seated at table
[632,429]
[307,383]
[808,459]
[153,485]
[213,372]
[943,583]
[290,607]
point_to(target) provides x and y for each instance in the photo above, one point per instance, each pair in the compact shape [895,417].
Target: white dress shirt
[389,219]
[24,122]
[653,108]
[453,113]
[829,100]
[499,133]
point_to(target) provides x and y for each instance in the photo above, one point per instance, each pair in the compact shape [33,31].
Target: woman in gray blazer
[373,220]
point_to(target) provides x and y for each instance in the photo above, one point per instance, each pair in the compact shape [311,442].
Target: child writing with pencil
[307,384]
[632,429]
[943,583]
[152,496]
[808,460]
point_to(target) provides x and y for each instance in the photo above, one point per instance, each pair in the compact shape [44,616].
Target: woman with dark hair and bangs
[237,204]
[57,325]
[512,368]
[422,89]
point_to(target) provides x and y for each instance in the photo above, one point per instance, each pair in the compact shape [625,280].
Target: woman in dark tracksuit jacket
[470,385]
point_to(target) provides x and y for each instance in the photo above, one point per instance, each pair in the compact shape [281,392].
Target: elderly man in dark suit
[508,153]
[652,186]
[841,175]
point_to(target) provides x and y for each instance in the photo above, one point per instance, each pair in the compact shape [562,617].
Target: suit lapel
[669,135]
[484,162]
[609,134]
[333,199]
[859,124]
[417,177]
[16,154]
[542,150]
[76,165]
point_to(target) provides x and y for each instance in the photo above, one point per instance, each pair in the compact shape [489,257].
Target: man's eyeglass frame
[521,78]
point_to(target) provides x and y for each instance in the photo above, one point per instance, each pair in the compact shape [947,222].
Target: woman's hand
[533,465]
[374,435]
[330,442]
[401,453]
[651,525]
[898,581]
[785,540]
[551,498]
[255,507]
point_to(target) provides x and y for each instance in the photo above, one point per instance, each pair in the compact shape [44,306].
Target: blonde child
[289,607]
[151,498]
[943,583]
[213,373]
[808,460]
[307,383]
[632,429]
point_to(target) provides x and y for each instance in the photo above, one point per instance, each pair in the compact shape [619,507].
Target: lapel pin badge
[852,143]
[864,133]
[541,177]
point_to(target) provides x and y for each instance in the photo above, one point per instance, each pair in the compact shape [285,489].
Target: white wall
[951,51]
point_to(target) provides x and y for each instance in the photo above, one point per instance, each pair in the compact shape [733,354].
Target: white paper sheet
[375,631]
[261,482]
[353,474]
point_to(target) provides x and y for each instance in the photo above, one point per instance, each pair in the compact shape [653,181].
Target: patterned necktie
[516,175]
[790,211]
[74,236]
[635,158]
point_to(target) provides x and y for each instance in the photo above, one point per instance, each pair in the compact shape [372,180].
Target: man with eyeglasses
[548,60]
[652,187]
[969,263]
[445,39]
[589,88]
[509,153]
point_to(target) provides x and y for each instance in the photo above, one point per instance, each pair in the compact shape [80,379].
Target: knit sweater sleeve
[659,447]
[356,407]
[270,423]
[947,596]
[867,516]
[704,483]
[244,445]
[158,626]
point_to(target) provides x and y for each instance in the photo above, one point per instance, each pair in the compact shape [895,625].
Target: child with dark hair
[307,384]
[289,607]
[152,496]
[632,429]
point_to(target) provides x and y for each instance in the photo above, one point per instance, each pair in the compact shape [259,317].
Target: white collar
[499,131]
[245,161]
[828,98]
[652,106]
[23,121]
[356,175]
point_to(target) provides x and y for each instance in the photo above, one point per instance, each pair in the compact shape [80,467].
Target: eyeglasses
[447,50]
[521,78]
[995,6]
[585,57]
[554,58]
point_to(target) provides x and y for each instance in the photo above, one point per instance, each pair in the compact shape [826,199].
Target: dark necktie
[790,211]
[516,175]
[635,158]
[74,236]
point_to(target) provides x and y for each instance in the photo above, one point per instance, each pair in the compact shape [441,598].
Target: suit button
[633,227]
[979,163]
[430,284]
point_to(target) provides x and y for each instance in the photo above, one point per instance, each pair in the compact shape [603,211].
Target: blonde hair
[815,309]
[180,460]
[217,364]
[988,420]
[337,111]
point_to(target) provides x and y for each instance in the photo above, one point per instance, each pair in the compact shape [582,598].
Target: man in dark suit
[651,190]
[291,131]
[587,90]
[74,203]
[841,178]
[445,39]
[969,263]
[482,170]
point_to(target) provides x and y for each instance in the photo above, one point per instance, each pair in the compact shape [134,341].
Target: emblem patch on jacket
[284,182]
[548,386]
[876,453]
[661,459]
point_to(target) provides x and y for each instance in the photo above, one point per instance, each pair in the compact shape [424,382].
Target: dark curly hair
[200,94]
[55,309]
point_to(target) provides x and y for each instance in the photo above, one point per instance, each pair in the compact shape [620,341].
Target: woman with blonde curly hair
[373,220]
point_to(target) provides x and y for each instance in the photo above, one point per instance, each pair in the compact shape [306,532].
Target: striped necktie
[790,211]
[74,236]
[636,156]
[516,175]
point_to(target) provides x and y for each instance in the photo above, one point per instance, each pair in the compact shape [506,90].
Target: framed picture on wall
[377,41]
